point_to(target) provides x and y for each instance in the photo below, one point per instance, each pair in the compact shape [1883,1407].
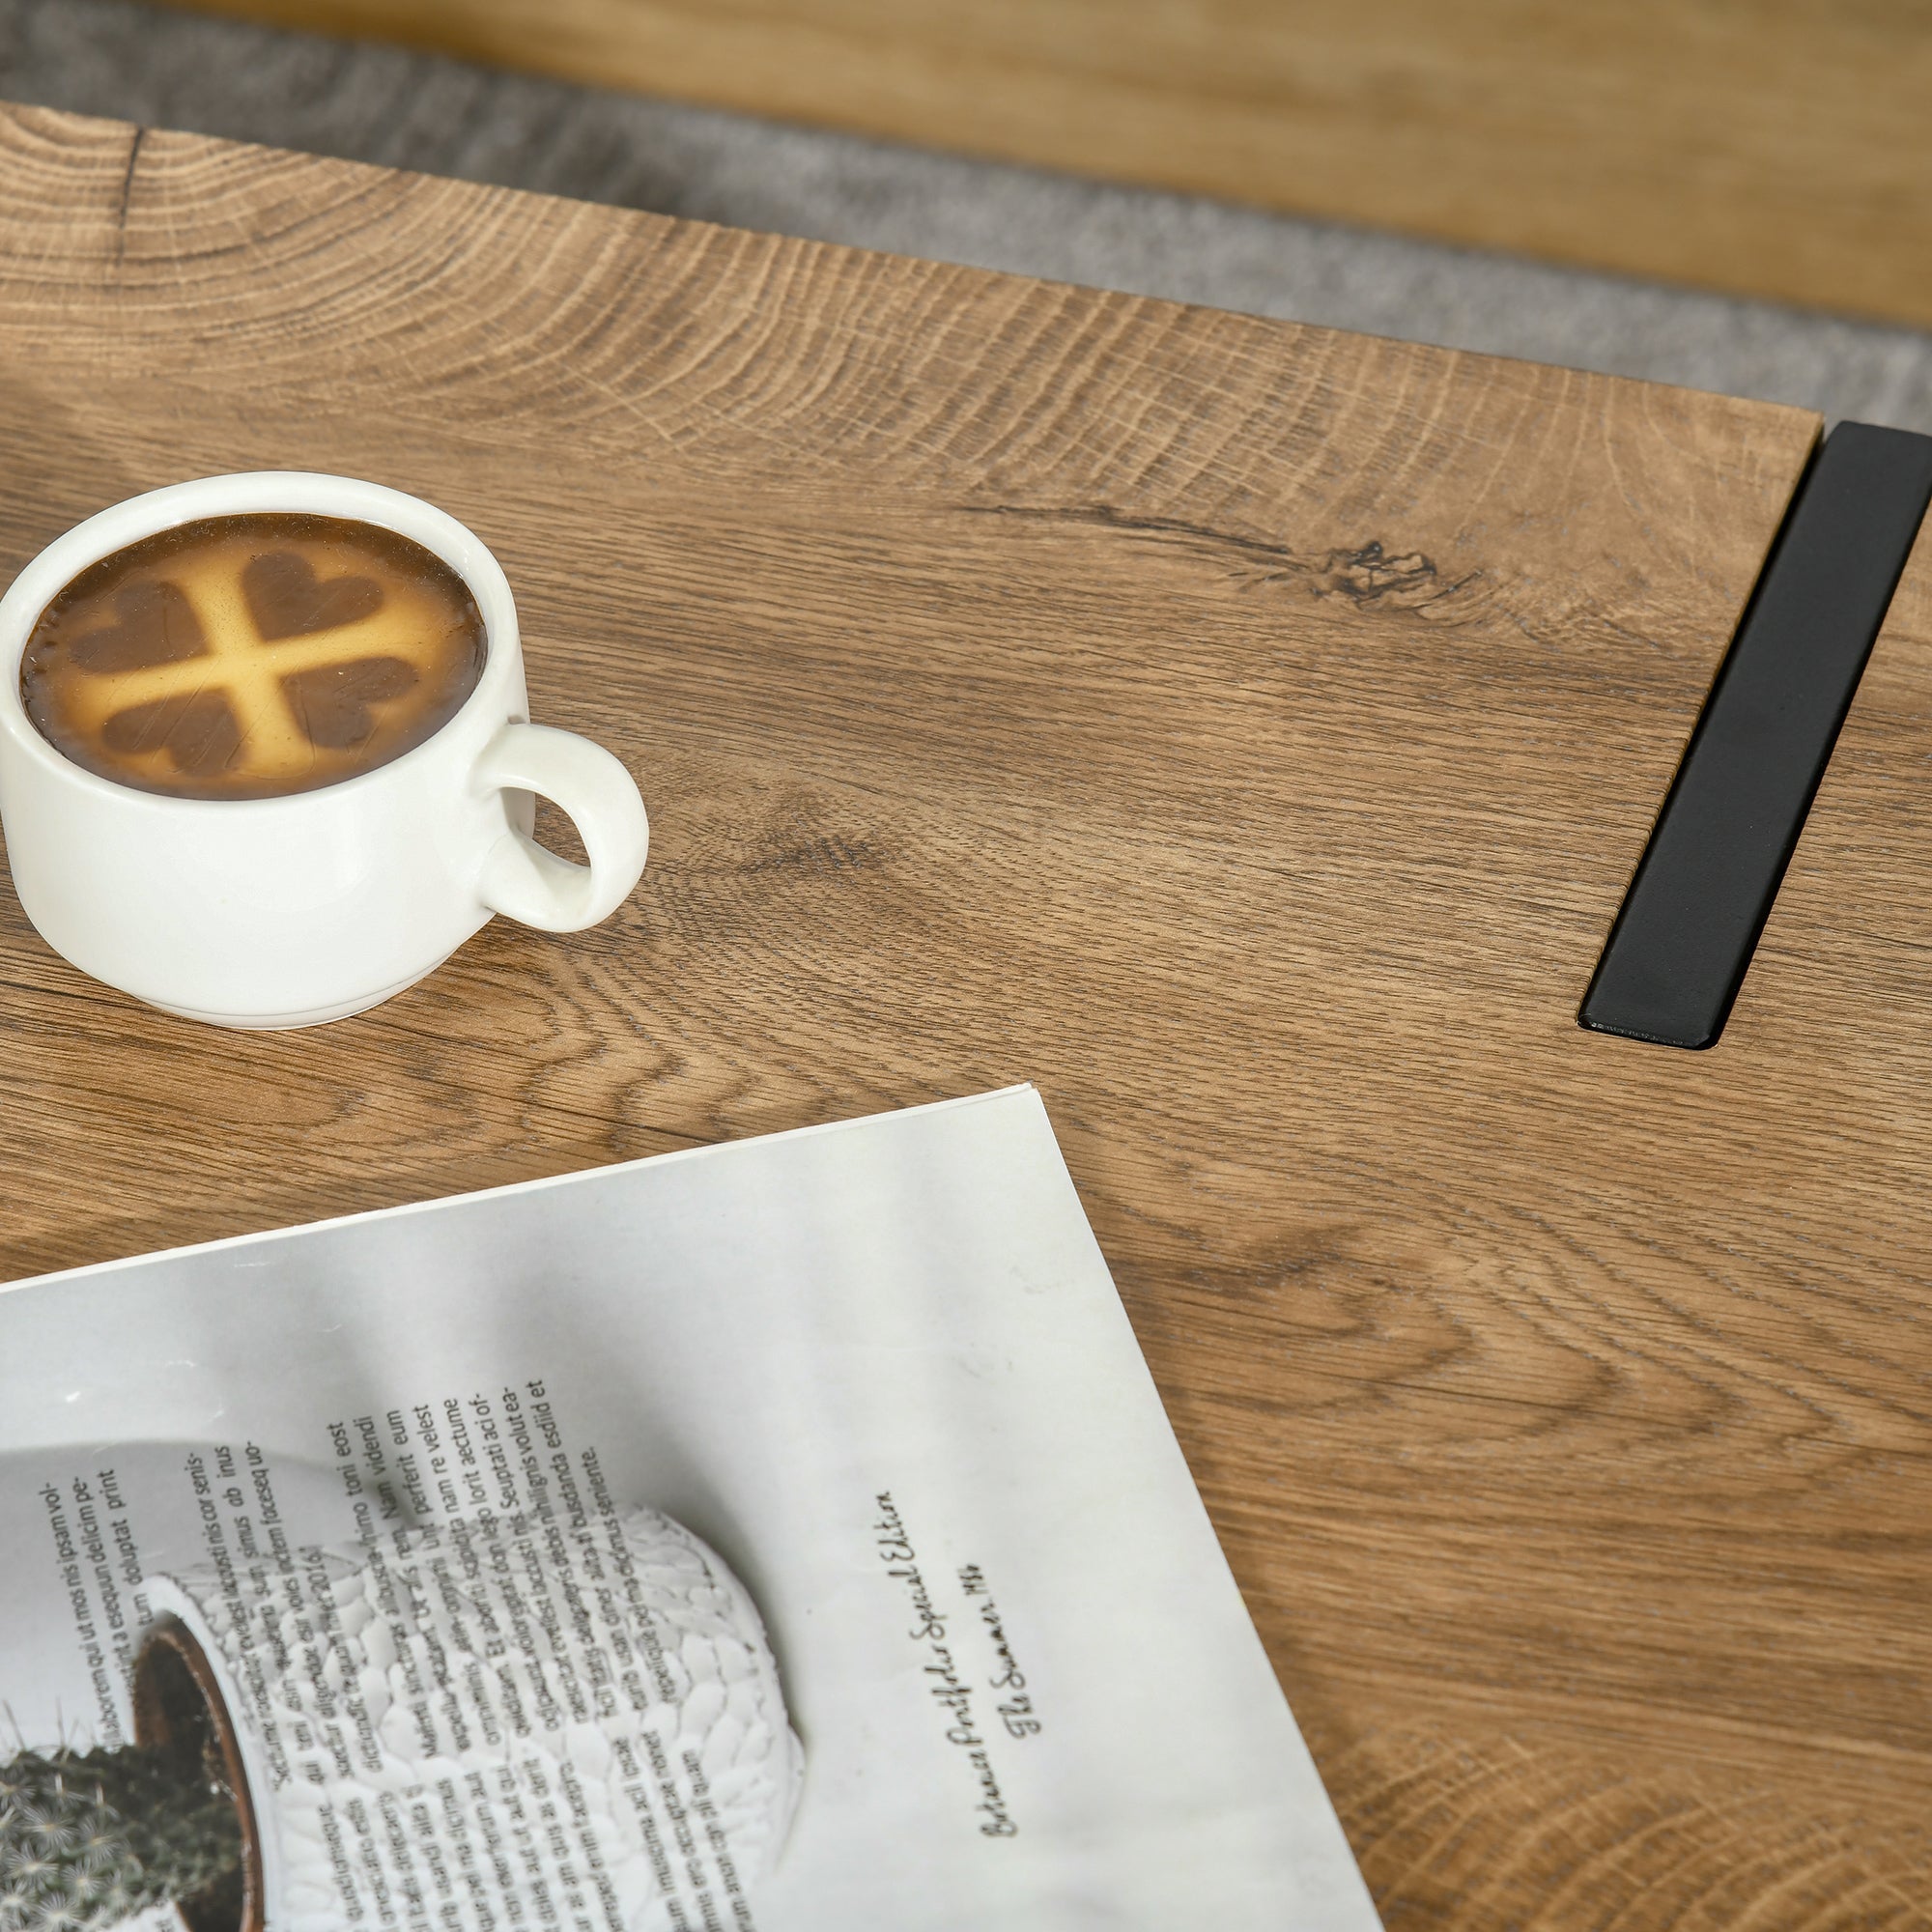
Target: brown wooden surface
[1777,148]
[1243,731]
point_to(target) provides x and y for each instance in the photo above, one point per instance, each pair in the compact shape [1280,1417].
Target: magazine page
[781,1535]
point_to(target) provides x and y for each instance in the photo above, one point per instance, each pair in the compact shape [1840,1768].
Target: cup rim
[256,493]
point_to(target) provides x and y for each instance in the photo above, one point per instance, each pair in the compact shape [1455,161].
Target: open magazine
[785,1534]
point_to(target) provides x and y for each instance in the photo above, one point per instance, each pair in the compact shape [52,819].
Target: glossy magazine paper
[784,1535]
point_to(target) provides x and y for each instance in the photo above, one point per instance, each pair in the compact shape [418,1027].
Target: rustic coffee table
[1244,731]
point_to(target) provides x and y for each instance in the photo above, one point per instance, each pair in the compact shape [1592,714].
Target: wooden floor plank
[1771,148]
[1245,732]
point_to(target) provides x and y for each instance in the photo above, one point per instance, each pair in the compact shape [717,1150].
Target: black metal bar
[1703,890]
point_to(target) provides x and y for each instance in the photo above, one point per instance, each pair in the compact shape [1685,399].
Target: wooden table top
[1246,733]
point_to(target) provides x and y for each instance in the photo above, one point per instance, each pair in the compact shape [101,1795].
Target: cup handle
[526,883]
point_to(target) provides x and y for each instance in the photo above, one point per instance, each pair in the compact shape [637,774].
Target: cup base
[290,1022]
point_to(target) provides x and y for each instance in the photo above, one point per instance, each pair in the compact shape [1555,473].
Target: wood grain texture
[1776,148]
[1243,731]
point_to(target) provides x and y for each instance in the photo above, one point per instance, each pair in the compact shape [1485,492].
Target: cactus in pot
[424,1694]
[90,1839]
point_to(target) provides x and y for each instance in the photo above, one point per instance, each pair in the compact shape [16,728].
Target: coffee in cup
[266,755]
[252,656]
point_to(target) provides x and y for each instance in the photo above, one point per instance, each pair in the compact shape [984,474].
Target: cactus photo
[90,1839]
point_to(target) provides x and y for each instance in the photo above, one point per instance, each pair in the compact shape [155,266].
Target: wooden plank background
[1243,731]
[1777,148]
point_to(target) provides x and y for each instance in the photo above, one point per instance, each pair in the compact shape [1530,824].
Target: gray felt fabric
[164,68]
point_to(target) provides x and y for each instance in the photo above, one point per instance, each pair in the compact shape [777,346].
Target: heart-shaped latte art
[197,732]
[153,624]
[332,702]
[286,599]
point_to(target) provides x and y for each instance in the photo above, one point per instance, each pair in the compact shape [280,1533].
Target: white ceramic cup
[286,912]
